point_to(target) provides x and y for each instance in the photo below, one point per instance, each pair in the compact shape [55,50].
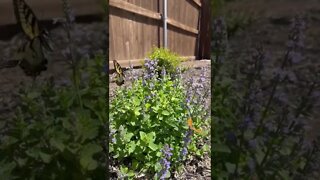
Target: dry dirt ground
[271,26]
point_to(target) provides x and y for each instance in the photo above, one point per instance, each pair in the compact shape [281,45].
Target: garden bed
[193,168]
[195,70]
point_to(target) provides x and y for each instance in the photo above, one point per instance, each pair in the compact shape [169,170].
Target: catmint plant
[152,115]
[264,123]
[165,161]
[186,141]
[197,94]
[219,44]
[295,43]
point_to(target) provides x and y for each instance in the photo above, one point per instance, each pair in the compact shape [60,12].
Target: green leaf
[198,153]
[132,123]
[34,153]
[137,111]
[33,95]
[143,136]
[165,112]
[136,101]
[152,146]
[150,137]
[8,140]
[6,169]
[158,154]
[206,148]
[221,148]
[22,161]
[123,169]
[259,155]
[67,99]
[148,105]
[155,108]
[135,164]
[132,147]
[87,127]
[86,160]
[45,157]
[2,124]
[128,136]
[157,167]
[230,167]
[66,123]
[167,175]
[131,173]
[284,174]
[57,144]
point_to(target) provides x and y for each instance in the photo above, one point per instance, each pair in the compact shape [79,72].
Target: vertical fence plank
[133,35]
[204,39]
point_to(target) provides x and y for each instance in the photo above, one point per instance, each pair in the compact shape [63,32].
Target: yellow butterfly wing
[26,19]
[118,68]
[28,22]
[33,61]
[120,74]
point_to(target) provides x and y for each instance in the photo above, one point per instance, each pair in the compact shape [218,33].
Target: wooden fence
[136,26]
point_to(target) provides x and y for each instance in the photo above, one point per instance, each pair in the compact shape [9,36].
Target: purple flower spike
[165,161]
[295,43]
[163,72]
[151,66]
[186,141]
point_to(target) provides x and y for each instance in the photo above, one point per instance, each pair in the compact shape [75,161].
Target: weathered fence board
[136,26]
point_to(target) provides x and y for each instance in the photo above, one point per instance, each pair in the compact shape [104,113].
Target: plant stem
[304,100]
[275,85]
[74,62]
